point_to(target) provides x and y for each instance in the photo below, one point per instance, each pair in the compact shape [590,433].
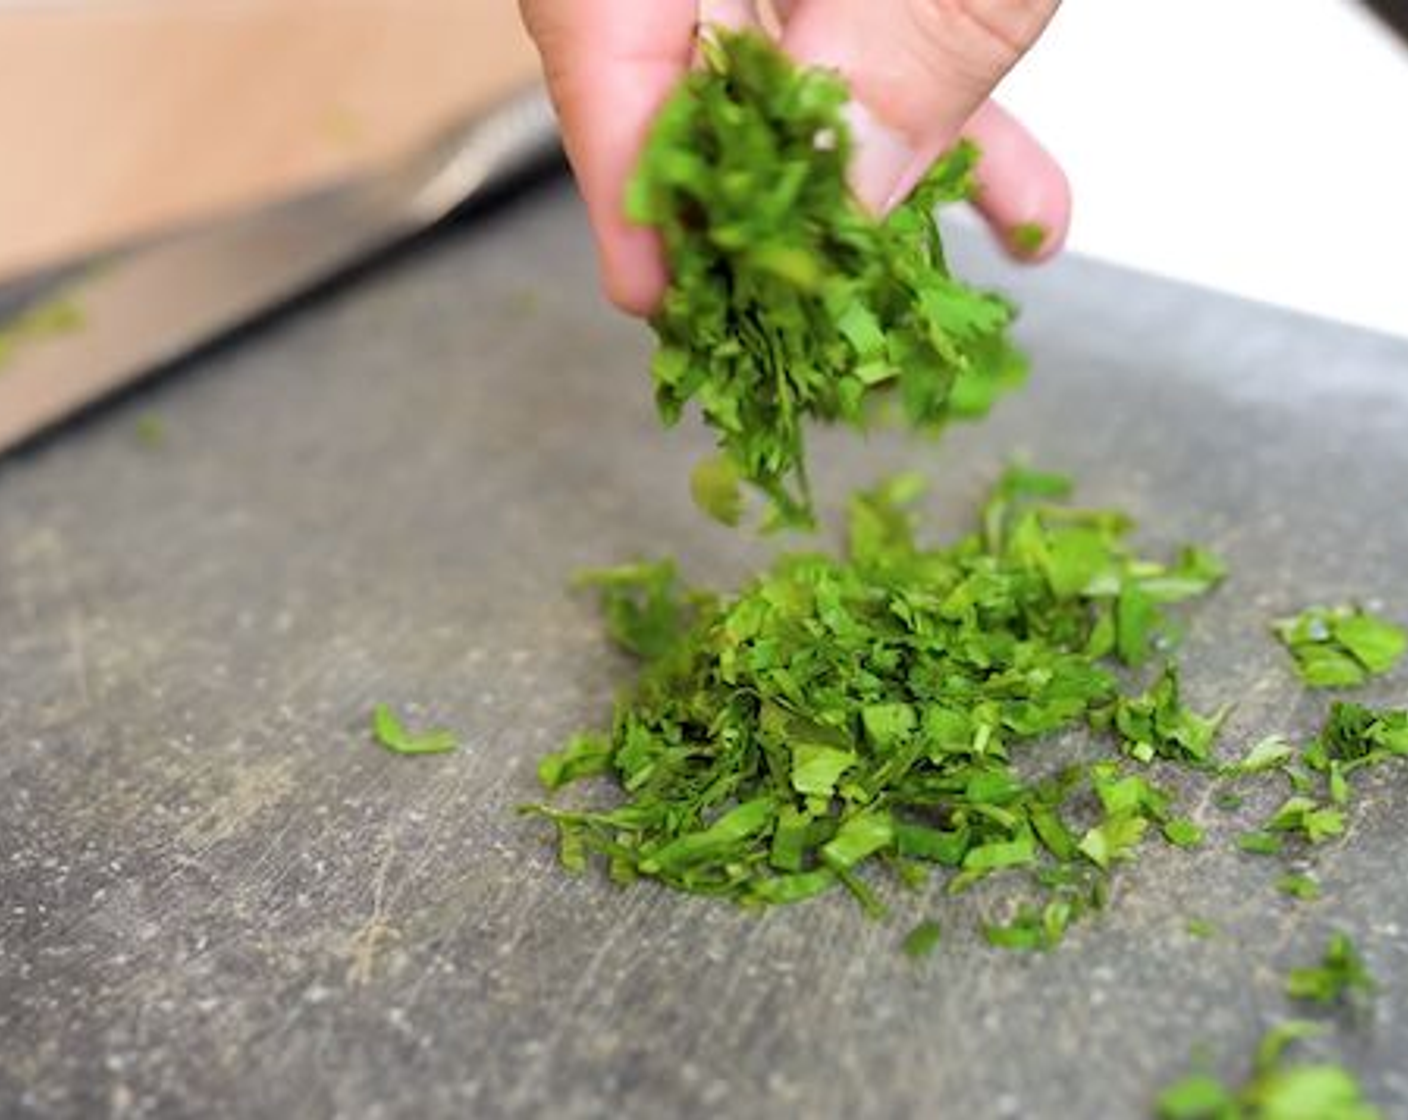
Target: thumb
[918,70]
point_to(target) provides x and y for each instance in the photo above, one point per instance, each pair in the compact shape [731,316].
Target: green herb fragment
[1260,843]
[49,318]
[392,734]
[838,714]
[1157,724]
[1183,833]
[1354,737]
[1340,971]
[714,484]
[1270,753]
[1340,647]
[1028,237]
[1278,1089]
[923,939]
[150,431]
[788,302]
[1200,927]
[1308,818]
[1302,887]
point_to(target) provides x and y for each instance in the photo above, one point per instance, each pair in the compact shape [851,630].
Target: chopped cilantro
[1339,647]
[1298,886]
[1278,1089]
[788,302]
[1199,927]
[392,734]
[923,939]
[835,714]
[1028,237]
[1341,970]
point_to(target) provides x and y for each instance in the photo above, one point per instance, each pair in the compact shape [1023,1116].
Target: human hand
[920,72]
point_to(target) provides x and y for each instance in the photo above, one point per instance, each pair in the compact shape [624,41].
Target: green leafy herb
[787,301]
[1302,887]
[1339,647]
[1028,237]
[835,714]
[1157,724]
[1200,927]
[1279,1089]
[392,734]
[923,939]
[1341,970]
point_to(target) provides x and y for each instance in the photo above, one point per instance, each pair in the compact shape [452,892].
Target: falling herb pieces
[1340,647]
[392,734]
[1341,971]
[788,302]
[1301,887]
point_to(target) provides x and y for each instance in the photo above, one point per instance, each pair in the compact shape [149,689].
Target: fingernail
[880,159]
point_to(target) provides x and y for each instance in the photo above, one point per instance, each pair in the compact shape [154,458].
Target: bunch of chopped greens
[842,712]
[787,301]
[1339,647]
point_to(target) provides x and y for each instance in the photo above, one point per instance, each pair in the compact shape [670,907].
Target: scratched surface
[217,897]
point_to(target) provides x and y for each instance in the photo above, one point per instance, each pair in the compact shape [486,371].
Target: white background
[1256,146]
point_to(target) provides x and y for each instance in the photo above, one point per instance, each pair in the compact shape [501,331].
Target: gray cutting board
[218,897]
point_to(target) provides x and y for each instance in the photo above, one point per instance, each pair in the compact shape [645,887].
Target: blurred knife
[140,310]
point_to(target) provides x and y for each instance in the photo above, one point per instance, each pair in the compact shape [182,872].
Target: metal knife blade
[144,309]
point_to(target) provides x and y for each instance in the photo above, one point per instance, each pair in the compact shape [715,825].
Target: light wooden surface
[121,116]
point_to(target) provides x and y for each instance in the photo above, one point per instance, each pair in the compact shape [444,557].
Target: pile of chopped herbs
[788,302]
[880,709]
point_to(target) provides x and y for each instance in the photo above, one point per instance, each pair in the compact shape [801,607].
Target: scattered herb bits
[1340,647]
[388,730]
[1341,971]
[1278,1089]
[922,940]
[788,303]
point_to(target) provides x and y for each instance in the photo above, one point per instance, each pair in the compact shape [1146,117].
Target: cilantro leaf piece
[1340,647]
[1199,927]
[645,611]
[1297,886]
[1157,724]
[1341,970]
[788,303]
[923,939]
[714,484]
[388,730]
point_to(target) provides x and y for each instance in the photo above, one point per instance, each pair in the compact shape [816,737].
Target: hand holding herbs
[610,65]
[788,303]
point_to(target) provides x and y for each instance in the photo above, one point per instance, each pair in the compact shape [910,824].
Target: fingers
[919,69]
[1022,191]
[610,64]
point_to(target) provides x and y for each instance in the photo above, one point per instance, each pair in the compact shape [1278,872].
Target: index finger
[610,65]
